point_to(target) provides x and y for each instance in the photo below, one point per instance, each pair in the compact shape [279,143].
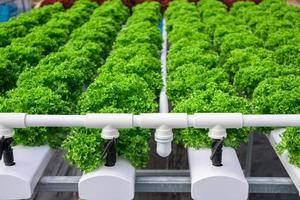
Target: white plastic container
[109,183]
[19,181]
[209,182]
[293,171]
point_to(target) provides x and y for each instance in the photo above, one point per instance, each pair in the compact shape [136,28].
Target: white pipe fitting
[163,138]
[217,132]
[155,120]
[109,122]
[6,132]
[13,120]
[162,122]
[109,133]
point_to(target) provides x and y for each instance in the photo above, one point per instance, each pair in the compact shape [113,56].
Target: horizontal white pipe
[13,120]
[155,120]
[148,120]
[210,120]
[271,120]
[111,119]
[55,120]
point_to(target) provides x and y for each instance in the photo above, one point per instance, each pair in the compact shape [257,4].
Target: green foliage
[185,43]
[128,82]
[7,67]
[288,54]
[144,66]
[127,92]
[146,12]
[84,146]
[282,37]
[192,56]
[242,58]
[256,49]
[133,34]
[27,51]
[211,101]
[290,141]
[278,96]
[25,22]
[36,101]
[238,41]
[222,30]
[54,86]
[190,77]
[246,79]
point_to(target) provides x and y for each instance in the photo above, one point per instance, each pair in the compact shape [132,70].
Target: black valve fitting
[216,152]
[110,151]
[6,151]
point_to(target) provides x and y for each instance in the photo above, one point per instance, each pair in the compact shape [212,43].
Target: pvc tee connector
[163,138]
[163,122]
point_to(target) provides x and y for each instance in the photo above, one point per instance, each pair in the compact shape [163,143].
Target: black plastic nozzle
[216,152]
[110,151]
[6,151]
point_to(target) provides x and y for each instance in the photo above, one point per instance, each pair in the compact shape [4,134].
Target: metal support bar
[169,181]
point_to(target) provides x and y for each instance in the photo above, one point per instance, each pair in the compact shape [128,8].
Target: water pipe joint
[217,132]
[163,138]
[109,133]
[6,132]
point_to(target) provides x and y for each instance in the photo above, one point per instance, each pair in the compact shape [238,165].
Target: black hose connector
[110,151]
[6,151]
[216,152]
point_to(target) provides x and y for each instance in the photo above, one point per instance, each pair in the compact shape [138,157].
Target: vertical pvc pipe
[163,100]
[164,134]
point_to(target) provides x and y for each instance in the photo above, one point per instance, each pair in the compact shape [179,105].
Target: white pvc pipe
[155,120]
[13,120]
[210,120]
[271,120]
[163,134]
[148,120]
[55,120]
[115,121]
[163,99]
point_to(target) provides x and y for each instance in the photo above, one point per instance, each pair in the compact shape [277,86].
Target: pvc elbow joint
[163,138]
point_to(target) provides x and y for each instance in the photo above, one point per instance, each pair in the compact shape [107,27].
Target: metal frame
[166,181]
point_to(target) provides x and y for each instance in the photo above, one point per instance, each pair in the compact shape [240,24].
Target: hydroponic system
[98,80]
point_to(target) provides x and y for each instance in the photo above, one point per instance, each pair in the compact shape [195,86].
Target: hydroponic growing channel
[97,80]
